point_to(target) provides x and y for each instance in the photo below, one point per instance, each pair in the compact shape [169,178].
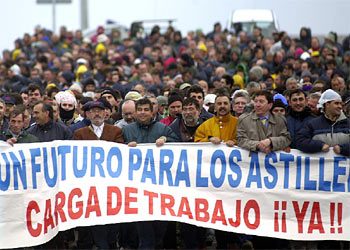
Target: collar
[225,118]
[98,127]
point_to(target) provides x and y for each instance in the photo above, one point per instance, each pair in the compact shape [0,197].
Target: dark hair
[222,92]
[18,110]
[195,89]
[33,87]
[267,94]
[296,91]
[189,101]
[228,79]
[46,108]
[144,101]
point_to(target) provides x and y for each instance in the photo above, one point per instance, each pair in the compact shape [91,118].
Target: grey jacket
[251,131]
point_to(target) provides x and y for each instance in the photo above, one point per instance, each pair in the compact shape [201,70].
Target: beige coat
[251,130]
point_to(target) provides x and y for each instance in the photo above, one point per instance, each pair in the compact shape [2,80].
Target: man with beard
[185,125]
[196,92]
[104,236]
[220,128]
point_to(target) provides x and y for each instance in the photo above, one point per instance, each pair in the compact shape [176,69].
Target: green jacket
[23,137]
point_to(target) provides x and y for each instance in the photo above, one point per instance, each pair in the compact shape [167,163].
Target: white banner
[51,187]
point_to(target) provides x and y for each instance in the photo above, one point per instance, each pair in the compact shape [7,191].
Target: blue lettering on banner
[200,181]
[323,184]
[271,170]
[298,174]
[218,181]
[338,170]
[151,173]
[254,166]
[308,183]
[134,166]
[19,170]
[34,152]
[51,182]
[79,173]
[63,151]
[114,152]
[235,168]
[286,158]
[97,161]
[4,184]
[182,175]
[164,166]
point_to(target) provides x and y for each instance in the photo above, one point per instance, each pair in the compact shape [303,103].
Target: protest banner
[50,187]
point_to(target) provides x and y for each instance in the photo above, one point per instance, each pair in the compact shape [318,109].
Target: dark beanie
[174,98]
[278,103]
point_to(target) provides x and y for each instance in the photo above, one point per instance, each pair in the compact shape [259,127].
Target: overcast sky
[322,16]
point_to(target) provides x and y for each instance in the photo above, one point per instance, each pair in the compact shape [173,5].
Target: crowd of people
[258,93]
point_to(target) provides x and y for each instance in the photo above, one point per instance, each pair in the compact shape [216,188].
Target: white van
[247,19]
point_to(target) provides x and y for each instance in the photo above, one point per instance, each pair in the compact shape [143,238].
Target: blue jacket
[295,121]
[148,133]
[320,131]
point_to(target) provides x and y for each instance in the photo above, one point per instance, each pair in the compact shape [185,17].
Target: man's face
[25,98]
[175,108]
[16,124]
[2,110]
[97,116]
[26,118]
[222,105]
[41,117]
[239,104]
[312,104]
[144,114]
[67,106]
[128,112]
[155,105]
[278,111]
[34,96]
[334,108]
[261,105]
[292,85]
[297,102]
[199,97]
[111,100]
[190,114]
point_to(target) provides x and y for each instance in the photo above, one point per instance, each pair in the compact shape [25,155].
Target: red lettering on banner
[252,204]
[300,214]
[48,219]
[237,222]
[184,208]
[218,213]
[316,219]
[110,192]
[151,196]
[202,210]
[33,206]
[167,201]
[130,199]
[79,204]
[60,201]
[92,203]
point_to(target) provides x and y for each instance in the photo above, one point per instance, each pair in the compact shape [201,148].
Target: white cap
[82,61]
[328,96]
[65,97]
[102,38]
[305,56]
[15,69]
[209,98]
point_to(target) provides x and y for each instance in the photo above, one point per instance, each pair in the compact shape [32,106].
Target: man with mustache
[102,235]
[299,113]
[220,128]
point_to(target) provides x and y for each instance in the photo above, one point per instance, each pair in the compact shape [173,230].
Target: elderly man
[331,129]
[128,114]
[98,130]
[261,130]
[220,128]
